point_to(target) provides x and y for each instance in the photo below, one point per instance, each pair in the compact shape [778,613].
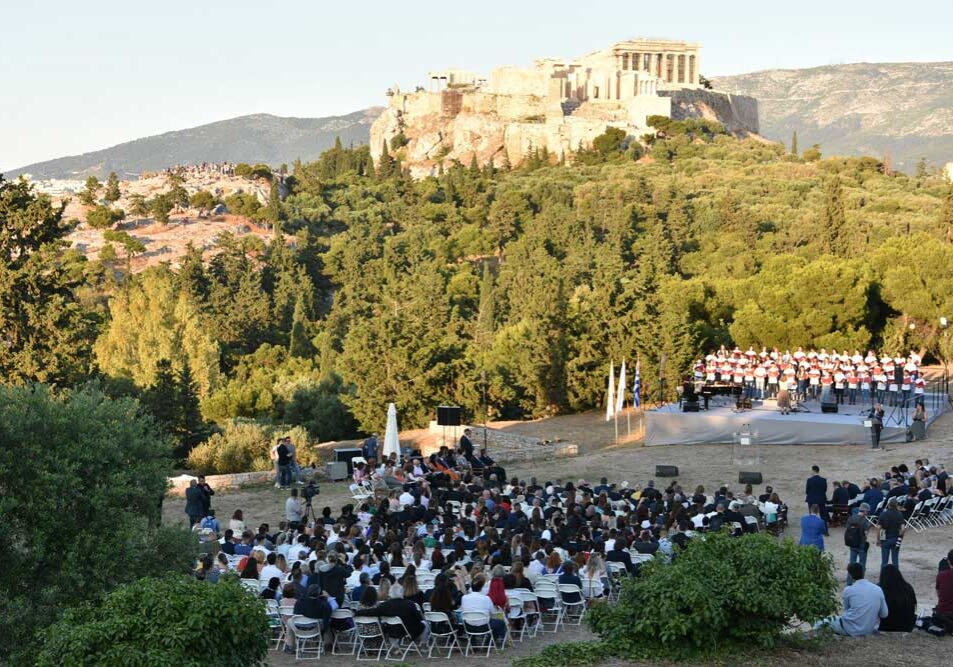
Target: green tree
[105,462]
[112,193]
[508,213]
[46,331]
[813,154]
[834,221]
[386,165]
[107,254]
[609,142]
[300,345]
[90,194]
[103,217]
[149,322]
[204,201]
[689,609]
[161,206]
[130,244]
[138,206]
[794,150]
[946,214]
[173,620]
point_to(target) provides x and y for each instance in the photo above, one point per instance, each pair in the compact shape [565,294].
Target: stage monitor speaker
[690,406]
[750,478]
[449,415]
[666,471]
[829,407]
[345,454]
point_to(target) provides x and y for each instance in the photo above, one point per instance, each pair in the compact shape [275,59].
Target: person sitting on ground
[901,601]
[943,612]
[863,607]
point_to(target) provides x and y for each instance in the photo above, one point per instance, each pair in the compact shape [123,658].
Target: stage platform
[722,423]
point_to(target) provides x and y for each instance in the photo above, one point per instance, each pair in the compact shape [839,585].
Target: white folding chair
[343,637]
[516,616]
[404,645]
[551,610]
[276,626]
[476,624]
[531,611]
[308,642]
[573,604]
[370,638]
[442,634]
[251,585]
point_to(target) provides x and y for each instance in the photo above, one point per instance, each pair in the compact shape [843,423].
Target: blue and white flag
[637,386]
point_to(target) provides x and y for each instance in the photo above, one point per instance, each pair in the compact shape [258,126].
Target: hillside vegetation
[534,278]
[904,110]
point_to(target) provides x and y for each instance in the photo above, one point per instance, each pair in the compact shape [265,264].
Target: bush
[721,595]
[170,621]
[81,476]
[242,203]
[244,446]
[320,410]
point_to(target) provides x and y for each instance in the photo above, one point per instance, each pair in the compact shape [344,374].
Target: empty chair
[531,612]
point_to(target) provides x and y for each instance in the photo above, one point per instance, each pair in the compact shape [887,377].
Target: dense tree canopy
[379,288]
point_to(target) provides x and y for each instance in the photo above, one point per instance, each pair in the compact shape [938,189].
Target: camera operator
[294,509]
[309,492]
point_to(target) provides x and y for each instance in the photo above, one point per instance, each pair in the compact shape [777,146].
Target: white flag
[620,397]
[610,399]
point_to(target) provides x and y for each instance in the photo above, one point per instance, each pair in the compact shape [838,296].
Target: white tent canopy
[391,442]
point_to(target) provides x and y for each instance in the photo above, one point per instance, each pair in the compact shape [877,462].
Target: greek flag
[637,386]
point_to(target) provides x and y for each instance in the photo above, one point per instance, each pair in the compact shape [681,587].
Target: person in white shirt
[406,499]
[475,600]
[536,567]
[270,570]
[294,509]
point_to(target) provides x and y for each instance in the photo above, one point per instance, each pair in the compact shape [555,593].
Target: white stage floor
[667,425]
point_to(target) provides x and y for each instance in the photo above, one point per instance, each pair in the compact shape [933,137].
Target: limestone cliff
[463,124]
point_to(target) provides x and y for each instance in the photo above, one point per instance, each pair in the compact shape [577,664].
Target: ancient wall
[518,81]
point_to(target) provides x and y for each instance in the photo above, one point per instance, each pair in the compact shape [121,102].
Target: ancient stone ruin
[558,105]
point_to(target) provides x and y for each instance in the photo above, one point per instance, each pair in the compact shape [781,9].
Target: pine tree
[486,316]
[794,144]
[90,193]
[834,220]
[162,396]
[385,164]
[112,188]
[191,429]
[300,340]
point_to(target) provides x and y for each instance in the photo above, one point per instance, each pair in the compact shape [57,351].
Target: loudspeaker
[750,478]
[345,454]
[690,406]
[666,471]
[829,407]
[449,415]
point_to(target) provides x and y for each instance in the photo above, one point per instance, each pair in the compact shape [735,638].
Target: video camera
[310,491]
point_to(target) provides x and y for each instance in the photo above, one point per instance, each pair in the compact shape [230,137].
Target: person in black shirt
[404,609]
[284,464]
[466,445]
[891,532]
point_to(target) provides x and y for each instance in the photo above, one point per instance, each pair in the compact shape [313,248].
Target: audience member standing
[194,501]
[891,533]
[815,492]
[813,529]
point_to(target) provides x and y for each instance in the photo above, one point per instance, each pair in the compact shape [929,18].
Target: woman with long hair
[497,592]
[237,524]
[595,578]
[901,601]
[554,563]
[518,572]
[412,590]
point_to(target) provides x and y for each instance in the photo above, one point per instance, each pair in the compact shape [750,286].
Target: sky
[76,77]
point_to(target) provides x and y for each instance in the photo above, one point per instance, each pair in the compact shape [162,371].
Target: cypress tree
[191,429]
[834,221]
[300,340]
[162,397]
[946,214]
[794,143]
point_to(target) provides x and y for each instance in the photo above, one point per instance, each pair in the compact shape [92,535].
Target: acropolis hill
[556,104]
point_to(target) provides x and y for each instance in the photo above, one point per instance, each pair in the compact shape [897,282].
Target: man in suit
[815,492]
[618,554]
[194,503]
[466,445]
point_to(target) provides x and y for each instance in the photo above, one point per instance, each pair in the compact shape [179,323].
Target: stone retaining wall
[181,483]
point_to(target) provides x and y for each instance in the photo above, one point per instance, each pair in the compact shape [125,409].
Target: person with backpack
[855,535]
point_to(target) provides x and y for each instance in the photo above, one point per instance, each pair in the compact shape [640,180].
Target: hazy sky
[78,76]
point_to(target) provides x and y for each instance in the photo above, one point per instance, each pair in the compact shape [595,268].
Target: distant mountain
[256,138]
[901,109]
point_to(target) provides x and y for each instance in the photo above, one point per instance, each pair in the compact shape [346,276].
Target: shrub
[81,477]
[175,620]
[720,595]
[244,446]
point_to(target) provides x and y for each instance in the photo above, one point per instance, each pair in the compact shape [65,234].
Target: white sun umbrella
[391,443]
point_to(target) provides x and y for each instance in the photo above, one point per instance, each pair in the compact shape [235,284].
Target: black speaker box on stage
[829,407]
[750,478]
[666,471]
[449,415]
[690,406]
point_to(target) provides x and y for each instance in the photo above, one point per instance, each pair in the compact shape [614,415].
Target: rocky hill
[901,109]
[256,138]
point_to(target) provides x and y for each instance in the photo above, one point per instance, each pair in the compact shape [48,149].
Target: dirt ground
[784,467]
